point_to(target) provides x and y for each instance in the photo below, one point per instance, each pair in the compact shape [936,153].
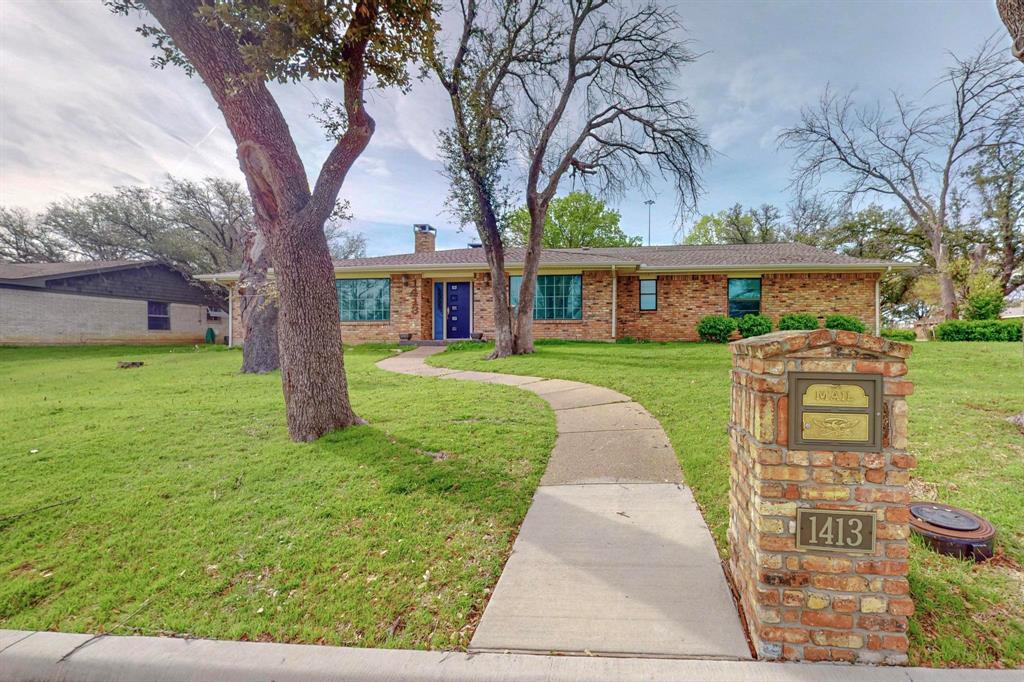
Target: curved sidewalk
[613,557]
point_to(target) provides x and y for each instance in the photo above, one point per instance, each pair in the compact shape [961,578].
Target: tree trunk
[538,209]
[258,306]
[312,366]
[504,341]
[947,292]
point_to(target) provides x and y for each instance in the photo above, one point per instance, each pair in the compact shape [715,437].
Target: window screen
[744,296]
[648,294]
[361,300]
[158,315]
[559,297]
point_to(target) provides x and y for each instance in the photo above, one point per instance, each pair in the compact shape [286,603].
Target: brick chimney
[425,237]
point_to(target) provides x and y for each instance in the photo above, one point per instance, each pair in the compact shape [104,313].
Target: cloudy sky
[81,110]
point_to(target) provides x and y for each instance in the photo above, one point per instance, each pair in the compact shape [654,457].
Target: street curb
[27,656]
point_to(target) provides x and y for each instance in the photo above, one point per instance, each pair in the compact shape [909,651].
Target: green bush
[754,325]
[899,334]
[845,322]
[985,300]
[979,330]
[716,328]
[798,321]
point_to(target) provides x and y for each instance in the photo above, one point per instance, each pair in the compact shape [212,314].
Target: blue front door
[457,301]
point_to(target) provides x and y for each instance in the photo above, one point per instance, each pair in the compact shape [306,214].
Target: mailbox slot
[835,411]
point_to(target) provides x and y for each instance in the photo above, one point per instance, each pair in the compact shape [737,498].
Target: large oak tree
[237,48]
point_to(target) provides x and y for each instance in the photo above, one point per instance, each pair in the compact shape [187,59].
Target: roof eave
[782,267]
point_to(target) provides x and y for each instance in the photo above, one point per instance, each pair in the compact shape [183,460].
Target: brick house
[657,293]
[105,302]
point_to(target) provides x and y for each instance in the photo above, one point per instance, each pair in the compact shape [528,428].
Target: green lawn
[184,508]
[968,455]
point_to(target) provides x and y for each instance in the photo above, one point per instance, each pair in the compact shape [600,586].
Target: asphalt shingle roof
[27,271]
[676,256]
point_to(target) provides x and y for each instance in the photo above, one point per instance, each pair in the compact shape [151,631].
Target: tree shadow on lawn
[409,466]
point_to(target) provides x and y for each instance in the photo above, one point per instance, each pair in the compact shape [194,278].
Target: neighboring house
[645,292]
[105,302]
[1013,310]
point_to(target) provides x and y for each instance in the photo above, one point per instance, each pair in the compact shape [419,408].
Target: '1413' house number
[835,530]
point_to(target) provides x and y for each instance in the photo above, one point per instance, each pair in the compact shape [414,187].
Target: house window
[648,294]
[744,296]
[158,316]
[559,297]
[361,300]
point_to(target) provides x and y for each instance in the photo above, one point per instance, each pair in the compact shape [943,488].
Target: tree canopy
[193,225]
[576,220]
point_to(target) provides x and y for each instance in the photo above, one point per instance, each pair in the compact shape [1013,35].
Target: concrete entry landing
[613,557]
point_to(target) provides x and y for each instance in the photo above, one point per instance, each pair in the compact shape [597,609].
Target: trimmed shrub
[798,321]
[754,325]
[716,328]
[899,335]
[845,322]
[979,330]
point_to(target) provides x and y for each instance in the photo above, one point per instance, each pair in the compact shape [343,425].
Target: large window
[361,300]
[158,316]
[648,294]
[559,297]
[744,296]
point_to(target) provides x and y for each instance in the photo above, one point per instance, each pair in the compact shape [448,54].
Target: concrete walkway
[65,657]
[613,557]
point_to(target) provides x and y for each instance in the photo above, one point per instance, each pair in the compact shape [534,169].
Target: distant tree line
[195,226]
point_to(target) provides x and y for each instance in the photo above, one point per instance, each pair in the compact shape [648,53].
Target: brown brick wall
[820,294]
[816,605]
[682,301]
[597,310]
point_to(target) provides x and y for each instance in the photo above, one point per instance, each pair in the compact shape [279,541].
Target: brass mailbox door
[835,411]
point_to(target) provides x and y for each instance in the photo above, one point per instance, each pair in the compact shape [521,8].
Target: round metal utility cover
[953,531]
[944,517]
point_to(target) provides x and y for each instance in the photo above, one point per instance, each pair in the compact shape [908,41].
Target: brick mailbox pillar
[818,500]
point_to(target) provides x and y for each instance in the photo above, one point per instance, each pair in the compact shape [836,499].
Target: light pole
[649,202]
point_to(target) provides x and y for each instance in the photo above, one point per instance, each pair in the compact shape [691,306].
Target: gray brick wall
[34,317]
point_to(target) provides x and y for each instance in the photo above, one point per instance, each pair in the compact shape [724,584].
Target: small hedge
[716,328]
[845,322]
[798,321]
[979,330]
[899,335]
[754,325]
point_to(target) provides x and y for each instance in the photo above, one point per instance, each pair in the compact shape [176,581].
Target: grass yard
[969,456]
[179,506]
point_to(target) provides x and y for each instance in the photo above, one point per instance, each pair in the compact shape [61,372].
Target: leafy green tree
[238,49]
[738,226]
[576,220]
[23,239]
